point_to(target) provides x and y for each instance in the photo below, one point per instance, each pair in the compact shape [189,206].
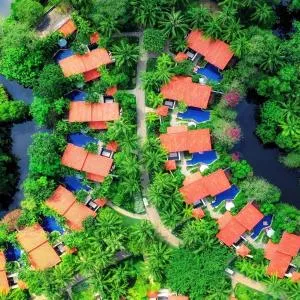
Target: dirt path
[126,212]
[239,278]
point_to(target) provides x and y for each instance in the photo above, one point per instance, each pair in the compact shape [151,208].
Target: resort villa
[181,88]
[281,255]
[41,254]
[65,204]
[96,166]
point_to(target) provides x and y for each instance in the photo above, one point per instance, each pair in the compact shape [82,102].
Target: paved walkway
[239,278]
[126,213]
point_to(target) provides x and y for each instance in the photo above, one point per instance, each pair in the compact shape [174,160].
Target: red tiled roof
[96,178]
[215,52]
[180,56]
[178,298]
[249,216]
[78,64]
[100,202]
[4,286]
[94,38]
[210,185]
[289,244]
[162,110]
[170,165]
[77,213]
[100,125]
[193,140]
[112,146]
[270,250]
[2,261]
[295,277]
[243,250]
[80,111]
[61,200]
[97,164]
[181,88]
[198,213]
[68,28]
[177,129]
[224,219]
[279,264]
[91,75]
[74,157]
[111,91]
[191,178]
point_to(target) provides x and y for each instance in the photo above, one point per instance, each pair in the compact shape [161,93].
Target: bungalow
[34,241]
[66,205]
[232,228]
[67,28]
[215,52]
[96,166]
[179,139]
[197,187]
[281,255]
[86,64]
[182,88]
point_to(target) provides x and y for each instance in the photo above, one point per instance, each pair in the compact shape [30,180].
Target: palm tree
[198,16]
[263,14]
[233,31]
[239,45]
[290,108]
[291,127]
[212,28]
[174,24]
[272,59]
[154,100]
[146,12]
[107,26]
[274,286]
[229,3]
[126,54]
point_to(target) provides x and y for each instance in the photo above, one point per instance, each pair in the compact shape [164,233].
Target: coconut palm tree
[274,286]
[239,45]
[272,59]
[107,26]
[197,16]
[290,108]
[126,54]
[291,127]
[173,24]
[146,12]
[213,28]
[263,14]
[154,100]
[233,31]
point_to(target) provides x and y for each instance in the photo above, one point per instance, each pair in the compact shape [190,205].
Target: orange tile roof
[112,146]
[81,111]
[231,232]
[295,277]
[162,110]
[198,213]
[68,28]
[177,129]
[270,250]
[193,140]
[111,91]
[279,264]
[243,250]
[2,261]
[96,178]
[289,244]
[181,88]
[94,38]
[61,200]
[178,298]
[74,157]
[100,125]
[97,164]
[43,257]
[91,75]
[209,185]
[249,216]
[180,56]
[216,52]
[100,202]
[4,286]
[78,64]
[77,213]
[224,219]
[105,112]
[170,165]
[31,237]
[191,178]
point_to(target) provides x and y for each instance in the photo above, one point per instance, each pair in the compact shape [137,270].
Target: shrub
[154,40]
[291,160]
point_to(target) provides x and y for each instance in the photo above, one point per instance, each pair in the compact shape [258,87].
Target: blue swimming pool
[50,224]
[62,54]
[12,253]
[81,139]
[196,114]
[74,184]
[227,195]
[206,157]
[265,222]
[77,95]
[210,72]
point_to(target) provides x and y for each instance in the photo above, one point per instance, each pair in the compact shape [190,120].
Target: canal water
[264,159]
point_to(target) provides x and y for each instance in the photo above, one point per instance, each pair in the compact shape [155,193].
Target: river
[264,160]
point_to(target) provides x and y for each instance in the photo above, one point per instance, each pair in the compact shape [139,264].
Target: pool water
[80,139]
[74,184]
[62,54]
[50,224]
[12,253]
[77,95]
[196,114]
[227,195]
[264,223]
[210,72]
[206,157]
